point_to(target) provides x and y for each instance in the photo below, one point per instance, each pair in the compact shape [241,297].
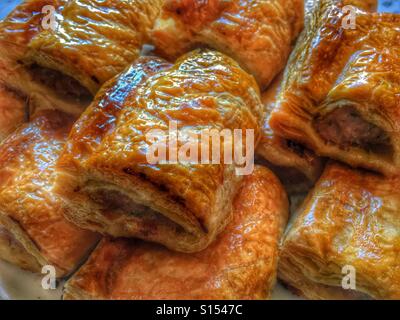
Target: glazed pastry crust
[34,231]
[24,22]
[190,204]
[13,112]
[297,167]
[366,5]
[95,40]
[345,67]
[240,264]
[351,218]
[256,33]
[16,31]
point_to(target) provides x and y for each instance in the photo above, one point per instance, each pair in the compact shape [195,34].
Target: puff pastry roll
[43,89]
[296,166]
[256,33]
[240,264]
[33,230]
[341,95]
[95,40]
[350,219]
[106,177]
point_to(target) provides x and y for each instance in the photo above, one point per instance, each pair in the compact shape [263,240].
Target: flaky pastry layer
[240,264]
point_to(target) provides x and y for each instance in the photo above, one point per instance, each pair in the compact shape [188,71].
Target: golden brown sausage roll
[42,88]
[95,40]
[33,230]
[296,166]
[240,264]
[105,175]
[349,225]
[256,33]
[341,94]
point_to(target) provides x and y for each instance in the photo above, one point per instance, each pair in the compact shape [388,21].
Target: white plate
[16,284]
[22,285]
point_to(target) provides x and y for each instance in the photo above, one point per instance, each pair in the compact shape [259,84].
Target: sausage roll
[33,230]
[256,33]
[107,179]
[240,264]
[41,88]
[95,40]
[341,95]
[349,225]
[296,166]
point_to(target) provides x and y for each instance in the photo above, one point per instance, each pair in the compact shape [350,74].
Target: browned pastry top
[25,21]
[256,33]
[101,117]
[203,90]
[371,50]
[95,40]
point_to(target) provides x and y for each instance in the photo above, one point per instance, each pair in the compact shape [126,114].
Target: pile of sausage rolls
[82,82]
